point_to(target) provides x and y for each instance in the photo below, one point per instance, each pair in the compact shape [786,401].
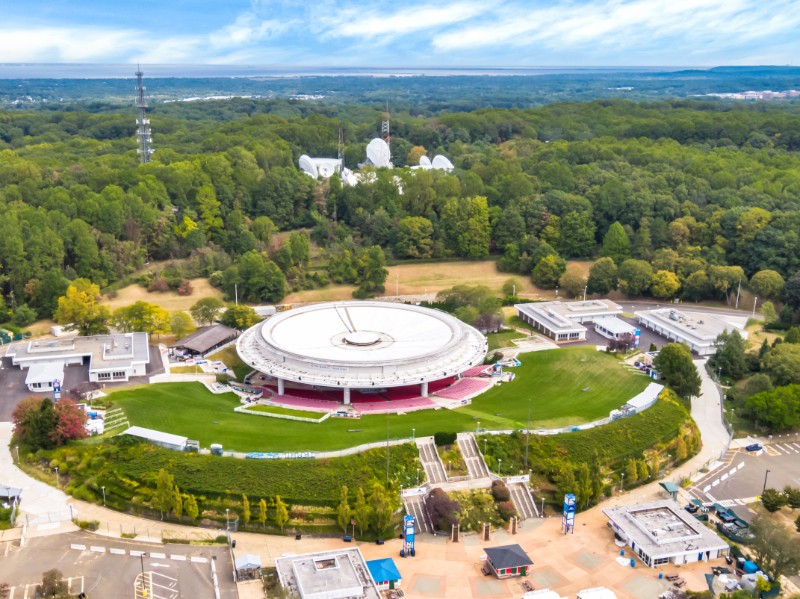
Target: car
[754,447]
[691,508]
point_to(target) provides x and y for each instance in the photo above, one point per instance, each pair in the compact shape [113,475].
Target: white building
[335,574]
[162,439]
[562,321]
[698,330]
[109,357]
[611,327]
[661,532]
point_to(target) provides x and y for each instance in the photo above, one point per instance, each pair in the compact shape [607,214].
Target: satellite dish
[443,163]
[378,153]
[325,170]
[425,162]
[308,167]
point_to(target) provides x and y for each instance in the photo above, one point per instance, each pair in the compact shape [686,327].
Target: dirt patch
[168,300]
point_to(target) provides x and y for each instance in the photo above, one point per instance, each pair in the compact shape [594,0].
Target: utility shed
[508,560]
[205,340]
[385,573]
[248,567]
[165,440]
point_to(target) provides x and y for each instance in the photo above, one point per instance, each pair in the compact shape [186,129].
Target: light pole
[479,426]
[556,291]
[484,446]
[417,476]
[144,588]
[104,496]
[413,433]
[622,483]
[527,434]
[227,520]
[542,507]
[755,301]
[766,474]
[58,478]
[499,465]
[584,292]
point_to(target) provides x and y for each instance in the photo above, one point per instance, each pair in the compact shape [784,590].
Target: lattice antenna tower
[143,123]
[385,135]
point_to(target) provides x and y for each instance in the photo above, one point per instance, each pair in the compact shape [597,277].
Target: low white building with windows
[562,321]
[698,330]
[116,357]
[662,532]
[614,328]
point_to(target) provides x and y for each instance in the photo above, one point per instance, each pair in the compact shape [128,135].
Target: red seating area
[304,403]
[464,388]
[401,405]
[475,370]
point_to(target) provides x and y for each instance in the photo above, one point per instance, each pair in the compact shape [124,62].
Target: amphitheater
[376,356]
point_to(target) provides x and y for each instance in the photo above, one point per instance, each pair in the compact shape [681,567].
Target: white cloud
[68,44]
[369,24]
[627,24]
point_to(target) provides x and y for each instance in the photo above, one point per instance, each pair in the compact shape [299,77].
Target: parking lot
[102,567]
[742,473]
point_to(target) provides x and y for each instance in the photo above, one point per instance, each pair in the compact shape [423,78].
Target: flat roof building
[661,532]
[162,439]
[335,574]
[561,321]
[698,330]
[205,340]
[114,357]
[612,327]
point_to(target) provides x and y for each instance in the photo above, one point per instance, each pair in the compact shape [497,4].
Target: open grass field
[550,383]
[169,300]
[502,339]
[286,411]
[232,360]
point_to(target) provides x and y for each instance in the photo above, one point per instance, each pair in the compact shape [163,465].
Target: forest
[678,199]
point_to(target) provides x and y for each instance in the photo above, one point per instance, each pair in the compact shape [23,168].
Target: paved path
[41,502]
[707,413]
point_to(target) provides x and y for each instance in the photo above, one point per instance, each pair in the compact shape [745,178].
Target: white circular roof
[361,344]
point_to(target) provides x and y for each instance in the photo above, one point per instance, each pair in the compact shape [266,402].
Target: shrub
[506,510]
[185,287]
[88,524]
[773,500]
[500,491]
[158,285]
[442,439]
[443,510]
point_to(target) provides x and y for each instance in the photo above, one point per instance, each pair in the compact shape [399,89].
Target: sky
[402,33]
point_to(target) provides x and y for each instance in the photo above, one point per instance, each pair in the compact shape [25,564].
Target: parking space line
[199,560]
[116,551]
[158,555]
[97,549]
[178,558]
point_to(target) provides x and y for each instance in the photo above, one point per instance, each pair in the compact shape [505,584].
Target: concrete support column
[423,389]
[280,387]
[346,396]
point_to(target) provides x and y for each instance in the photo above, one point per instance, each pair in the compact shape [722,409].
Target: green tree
[180,323]
[262,512]
[381,508]
[583,485]
[792,496]
[643,470]
[774,547]
[791,291]
[674,363]
[79,309]
[767,284]
[281,512]
[142,317]
[53,585]
[177,502]
[603,277]
[191,508]
[697,286]
[631,472]
[372,272]
[635,277]
[577,235]
[782,364]
[730,355]
[206,310]
[548,271]
[263,228]
[768,312]
[245,510]
[792,335]
[361,511]
[466,225]
[343,510]
[239,317]
[616,244]
[665,285]
[572,282]
[414,238]
[162,498]
[680,449]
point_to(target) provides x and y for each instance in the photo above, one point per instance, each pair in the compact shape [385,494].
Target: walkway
[42,503]
[707,413]
[432,464]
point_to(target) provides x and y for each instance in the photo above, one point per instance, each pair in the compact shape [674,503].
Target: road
[707,413]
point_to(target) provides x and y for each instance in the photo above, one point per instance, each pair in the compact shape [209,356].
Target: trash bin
[347,538]
[633,563]
[660,575]
[297,536]
[233,544]
[622,552]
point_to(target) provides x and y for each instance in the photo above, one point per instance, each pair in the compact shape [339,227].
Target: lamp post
[227,519]
[16,448]
[413,433]
[417,476]
[542,507]
[104,496]
[755,301]
[499,465]
[766,474]
[58,478]
[144,588]
[479,426]
[584,292]
[556,291]
[622,483]
[484,446]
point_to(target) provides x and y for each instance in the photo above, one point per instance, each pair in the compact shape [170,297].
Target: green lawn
[232,361]
[502,339]
[286,411]
[549,383]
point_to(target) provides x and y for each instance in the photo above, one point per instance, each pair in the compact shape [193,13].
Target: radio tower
[143,130]
[385,136]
